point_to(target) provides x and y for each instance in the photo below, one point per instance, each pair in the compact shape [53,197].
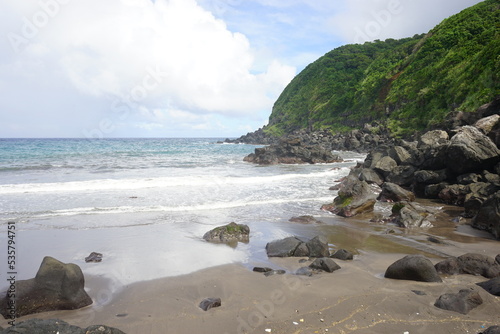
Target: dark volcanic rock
[414,268]
[56,286]
[318,247]
[408,215]
[492,286]
[393,193]
[370,176]
[283,248]
[261,269]
[462,302]
[354,197]
[402,175]
[325,264]
[38,326]
[488,216]
[94,257]
[342,254]
[208,303]
[470,263]
[231,232]
[472,149]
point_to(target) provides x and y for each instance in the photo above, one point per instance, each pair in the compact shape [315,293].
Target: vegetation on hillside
[411,83]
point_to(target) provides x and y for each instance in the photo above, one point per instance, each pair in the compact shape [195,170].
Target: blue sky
[175,68]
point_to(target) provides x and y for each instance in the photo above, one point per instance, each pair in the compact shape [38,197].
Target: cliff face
[410,84]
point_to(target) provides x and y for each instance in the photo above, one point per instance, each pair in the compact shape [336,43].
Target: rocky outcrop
[488,215]
[470,263]
[230,233]
[208,303]
[34,326]
[414,268]
[292,246]
[56,286]
[291,151]
[462,302]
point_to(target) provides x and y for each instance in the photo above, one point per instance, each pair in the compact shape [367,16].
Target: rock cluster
[291,151]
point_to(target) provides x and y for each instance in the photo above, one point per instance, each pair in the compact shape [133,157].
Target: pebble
[268,330]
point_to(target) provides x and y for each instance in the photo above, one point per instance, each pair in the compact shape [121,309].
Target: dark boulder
[393,193]
[38,326]
[354,197]
[408,215]
[283,248]
[400,155]
[208,303]
[492,330]
[469,178]
[261,269]
[470,263]
[231,232]
[306,271]
[385,165]
[318,247]
[454,194]
[402,175]
[430,176]
[326,264]
[492,286]
[56,286]
[414,268]
[474,151]
[462,302]
[478,194]
[342,254]
[488,216]
[94,257]
[433,190]
[370,176]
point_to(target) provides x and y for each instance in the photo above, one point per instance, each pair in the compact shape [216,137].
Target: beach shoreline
[354,299]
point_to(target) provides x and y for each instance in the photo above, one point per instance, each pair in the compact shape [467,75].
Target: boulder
[94,257]
[39,326]
[393,193]
[414,268]
[470,263]
[434,157]
[402,175]
[56,286]
[261,269]
[408,216]
[370,176]
[492,286]
[478,194]
[469,178]
[454,194]
[306,271]
[474,151]
[385,165]
[400,155]
[342,254]
[354,197]
[326,264]
[433,138]
[488,124]
[208,303]
[488,215]
[462,302]
[231,232]
[433,190]
[318,247]
[283,248]
[430,176]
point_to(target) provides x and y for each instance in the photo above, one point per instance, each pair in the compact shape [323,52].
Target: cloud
[359,21]
[133,54]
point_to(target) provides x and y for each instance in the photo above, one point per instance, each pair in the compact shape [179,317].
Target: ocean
[146,203]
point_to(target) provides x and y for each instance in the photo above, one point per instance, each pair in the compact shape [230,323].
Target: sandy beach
[354,299]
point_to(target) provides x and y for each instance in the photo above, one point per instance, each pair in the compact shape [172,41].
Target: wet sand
[354,299]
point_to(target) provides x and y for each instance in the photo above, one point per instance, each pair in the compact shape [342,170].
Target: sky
[175,68]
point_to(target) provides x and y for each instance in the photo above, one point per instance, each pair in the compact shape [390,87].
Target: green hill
[411,83]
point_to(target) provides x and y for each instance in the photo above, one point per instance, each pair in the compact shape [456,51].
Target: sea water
[146,203]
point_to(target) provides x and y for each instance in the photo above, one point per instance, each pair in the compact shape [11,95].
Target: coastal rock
[400,155]
[433,138]
[385,165]
[393,193]
[492,286]
[408,215]
[479,192]
[283,248]
[305,220]
[94,257]
[462,302]
[473,149]
[342,254]
[370,176]
[430,176]
[261,269]
[488,124]
[354,197]
[318,247]
[208,303]
[488,215]
[291,151]
[56,286]
[414,268]
[454,194]
[39,326]
[402,175]
[231,232]
[306,271]
[470,263]
[325,264]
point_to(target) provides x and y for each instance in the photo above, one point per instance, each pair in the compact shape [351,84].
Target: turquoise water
[152,196]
